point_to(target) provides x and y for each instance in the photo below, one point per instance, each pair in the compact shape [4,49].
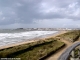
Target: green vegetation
[76,53]
[39,49]
[71,35]
[32,51]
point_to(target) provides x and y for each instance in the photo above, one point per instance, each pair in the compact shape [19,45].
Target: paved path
[67,52]
[59,52]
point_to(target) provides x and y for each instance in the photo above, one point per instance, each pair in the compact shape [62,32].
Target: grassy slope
[71,35]
[32,51]
[40,51]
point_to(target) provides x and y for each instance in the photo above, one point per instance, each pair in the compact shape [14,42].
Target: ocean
[9,36]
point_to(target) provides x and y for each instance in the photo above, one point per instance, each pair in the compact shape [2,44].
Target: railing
[67,53]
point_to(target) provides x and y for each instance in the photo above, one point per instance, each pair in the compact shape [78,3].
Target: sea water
[15,36]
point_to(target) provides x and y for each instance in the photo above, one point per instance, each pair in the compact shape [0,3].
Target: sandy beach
[33,40]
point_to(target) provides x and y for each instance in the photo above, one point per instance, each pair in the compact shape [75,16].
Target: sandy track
[59,52]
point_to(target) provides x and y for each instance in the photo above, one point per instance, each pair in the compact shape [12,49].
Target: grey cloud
[24,12]
[62,7]
[27,12]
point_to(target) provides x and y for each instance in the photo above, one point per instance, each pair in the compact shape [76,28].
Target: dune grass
[71,35]
[32,51]
[41,51]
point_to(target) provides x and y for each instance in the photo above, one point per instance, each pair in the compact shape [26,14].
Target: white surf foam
[10,38]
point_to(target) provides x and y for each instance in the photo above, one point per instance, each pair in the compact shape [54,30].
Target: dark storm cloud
[21,9]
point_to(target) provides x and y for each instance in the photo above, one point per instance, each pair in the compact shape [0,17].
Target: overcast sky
[40,13]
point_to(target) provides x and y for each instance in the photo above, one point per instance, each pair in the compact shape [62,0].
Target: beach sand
[33,40]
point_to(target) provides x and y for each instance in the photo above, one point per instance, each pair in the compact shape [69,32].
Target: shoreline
[34,39]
